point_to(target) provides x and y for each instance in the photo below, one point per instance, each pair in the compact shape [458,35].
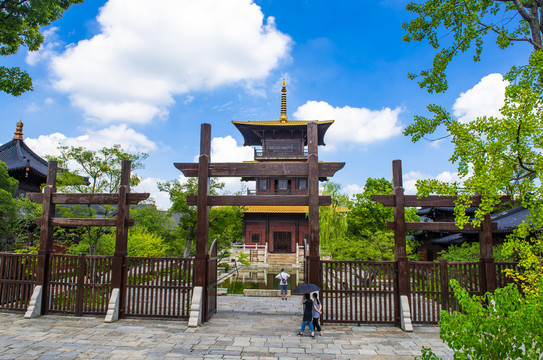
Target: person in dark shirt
[308,315]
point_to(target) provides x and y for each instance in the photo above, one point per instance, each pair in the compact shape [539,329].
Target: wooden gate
[79,284]
[359,292]
[158,287]
[211,307]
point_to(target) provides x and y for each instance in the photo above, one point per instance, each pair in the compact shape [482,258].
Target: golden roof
[283,209]
[276,209]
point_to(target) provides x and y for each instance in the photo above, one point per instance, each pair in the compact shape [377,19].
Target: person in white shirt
[283,283]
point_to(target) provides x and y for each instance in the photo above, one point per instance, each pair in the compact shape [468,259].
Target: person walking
[317,311]
[283,283]
[308,315]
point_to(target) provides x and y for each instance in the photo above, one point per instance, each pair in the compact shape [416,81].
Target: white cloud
[484,99]
[48,49]
[148,52]
[129,139]
[161,199]
[352,189]
[226,149]
[352,125]
[410,179]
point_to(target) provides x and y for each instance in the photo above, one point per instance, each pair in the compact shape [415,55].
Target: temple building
[282,228]
[23,164]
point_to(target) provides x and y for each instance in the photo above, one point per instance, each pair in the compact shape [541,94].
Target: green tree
[8,206]
[471,252]
[453,27]
[333,218]
[226,225]
[24,230]
[222,220]
[494,155]
[503,325]
[367,222]
[90,171]
[159,223]
[141,242]
[20,24]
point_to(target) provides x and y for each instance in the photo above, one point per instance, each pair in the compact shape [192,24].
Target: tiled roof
[252,131]
[509,219]
[283,123]
[17,155]
[453,239]
[427,210]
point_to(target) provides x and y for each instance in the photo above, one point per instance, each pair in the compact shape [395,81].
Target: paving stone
[242,328]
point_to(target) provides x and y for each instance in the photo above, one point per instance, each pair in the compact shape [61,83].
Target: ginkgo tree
[495,155]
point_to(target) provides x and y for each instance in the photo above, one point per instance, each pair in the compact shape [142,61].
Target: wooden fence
[367,291]
[17,280]
[81,285]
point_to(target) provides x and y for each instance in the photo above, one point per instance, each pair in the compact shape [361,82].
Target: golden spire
[283,118]
[19,132]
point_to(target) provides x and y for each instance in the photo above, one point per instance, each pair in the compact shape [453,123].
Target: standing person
[283,284]
[308,315]
[317,311]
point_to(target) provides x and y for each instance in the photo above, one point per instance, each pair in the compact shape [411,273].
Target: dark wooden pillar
[313,258]
[121,238]
[486,260]
[202,220]
[399,234]
[46,233]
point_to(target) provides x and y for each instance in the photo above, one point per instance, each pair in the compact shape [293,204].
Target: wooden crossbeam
[432,200]
[84,222]
[259,200]
[87,199]
[327,169]
[437,226]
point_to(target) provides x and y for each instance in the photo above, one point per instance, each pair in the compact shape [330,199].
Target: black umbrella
[306,288]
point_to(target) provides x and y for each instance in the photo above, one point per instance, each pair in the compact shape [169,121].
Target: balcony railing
[277,192]
[280,154]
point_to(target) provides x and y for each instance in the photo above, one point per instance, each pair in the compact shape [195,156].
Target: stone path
[243,328]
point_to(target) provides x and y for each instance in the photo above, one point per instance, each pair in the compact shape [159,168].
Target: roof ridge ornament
[19,132]
[283,118]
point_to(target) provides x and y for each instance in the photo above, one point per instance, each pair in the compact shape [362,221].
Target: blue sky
[147,74]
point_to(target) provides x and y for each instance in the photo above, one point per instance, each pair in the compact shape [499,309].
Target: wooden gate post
[486,260]
[118,279]
[46,235]
[399,234]
[313,258]
[202,217]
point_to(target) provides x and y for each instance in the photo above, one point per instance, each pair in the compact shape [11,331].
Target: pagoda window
[282,185]
[302,184]
[262,184]
[255,237]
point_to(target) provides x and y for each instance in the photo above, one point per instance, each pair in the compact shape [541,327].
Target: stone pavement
[243,328]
